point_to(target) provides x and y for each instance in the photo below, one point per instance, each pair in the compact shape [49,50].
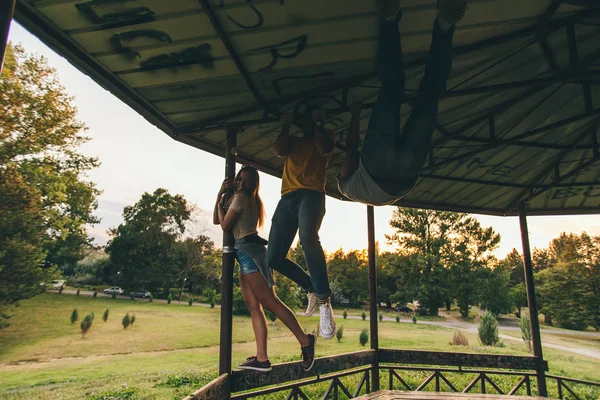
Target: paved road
[451,322]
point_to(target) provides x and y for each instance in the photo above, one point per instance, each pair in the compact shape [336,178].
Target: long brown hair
[254,196]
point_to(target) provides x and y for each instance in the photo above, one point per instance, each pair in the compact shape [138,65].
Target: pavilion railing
[347,376]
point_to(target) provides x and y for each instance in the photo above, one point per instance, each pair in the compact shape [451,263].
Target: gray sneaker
[451,11]
[313,302]
[388,9]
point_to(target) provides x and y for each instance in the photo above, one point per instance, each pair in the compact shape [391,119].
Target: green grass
[173,349]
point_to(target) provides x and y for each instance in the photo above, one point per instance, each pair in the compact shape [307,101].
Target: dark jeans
[301,210]
[387,154]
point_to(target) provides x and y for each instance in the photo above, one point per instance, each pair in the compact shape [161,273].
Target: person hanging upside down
[389,164]
[243,216]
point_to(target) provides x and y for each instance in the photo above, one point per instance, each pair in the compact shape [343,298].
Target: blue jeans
[247,264]
[388,154]
[301,210]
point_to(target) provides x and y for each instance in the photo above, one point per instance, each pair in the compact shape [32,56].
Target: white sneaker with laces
[327,323]
[313,302]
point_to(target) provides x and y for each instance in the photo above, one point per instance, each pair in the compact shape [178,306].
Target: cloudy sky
[136,157]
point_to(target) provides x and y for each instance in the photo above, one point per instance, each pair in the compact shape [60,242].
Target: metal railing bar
[317,379]
[360,384]
[472,384]
[494,385]
[427,381]
[344,389]
[332,385]
[448,382]
[564,378]
[406,385]
[467,371]
[517,386]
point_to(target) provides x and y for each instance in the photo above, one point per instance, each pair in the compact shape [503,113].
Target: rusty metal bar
[7,10]
[531,300]
[227,269]
[373,295]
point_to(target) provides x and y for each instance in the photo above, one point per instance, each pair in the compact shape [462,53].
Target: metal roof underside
[519,121]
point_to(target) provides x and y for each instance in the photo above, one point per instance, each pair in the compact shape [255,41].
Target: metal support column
[7,9]
[373,297]
[533,311]
[227,268]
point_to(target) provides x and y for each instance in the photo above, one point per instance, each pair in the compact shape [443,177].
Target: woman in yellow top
[242,217]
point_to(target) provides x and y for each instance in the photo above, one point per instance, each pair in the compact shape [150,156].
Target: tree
[40,136]
[349,274]
[143,247]
[469,259]
[495,291]
[45,202]
[196,270]
[434,240]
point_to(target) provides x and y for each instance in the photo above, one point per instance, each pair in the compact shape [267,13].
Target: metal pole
[7,9]
[227,268]
[373,296]
[533,311]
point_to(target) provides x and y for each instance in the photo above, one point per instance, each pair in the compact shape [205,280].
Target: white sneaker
[313,302]
[388,9]
[327,323]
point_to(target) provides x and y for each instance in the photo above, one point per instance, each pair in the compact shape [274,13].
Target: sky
[137,157]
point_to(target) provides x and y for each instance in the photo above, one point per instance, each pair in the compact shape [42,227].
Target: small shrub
[488,330]
[95,293]
[105,315]
[364,337]
[191,301]
[74,316]
[414,319]
[150,299]
[86,324]
[169,298]
[380,317]
[345,314]
[121,394]
[525,325]
[339,333]
[212,304]
[114,296]
[397,318]
[459,339]
[364,316]
[185,378]
[126,321]
[77,291]
[132,319]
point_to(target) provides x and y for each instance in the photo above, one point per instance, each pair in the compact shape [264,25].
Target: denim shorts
[247,264]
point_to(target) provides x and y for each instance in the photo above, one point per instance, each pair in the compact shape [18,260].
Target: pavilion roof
[519,121]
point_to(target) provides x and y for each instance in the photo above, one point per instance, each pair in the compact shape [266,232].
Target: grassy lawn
[172,350]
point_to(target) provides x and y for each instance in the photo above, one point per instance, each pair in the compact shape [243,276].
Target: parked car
[403,308]
[114,289]
[57,284]
[141,294]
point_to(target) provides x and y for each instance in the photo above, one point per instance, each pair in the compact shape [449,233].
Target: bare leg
[267,297]
[259,322]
